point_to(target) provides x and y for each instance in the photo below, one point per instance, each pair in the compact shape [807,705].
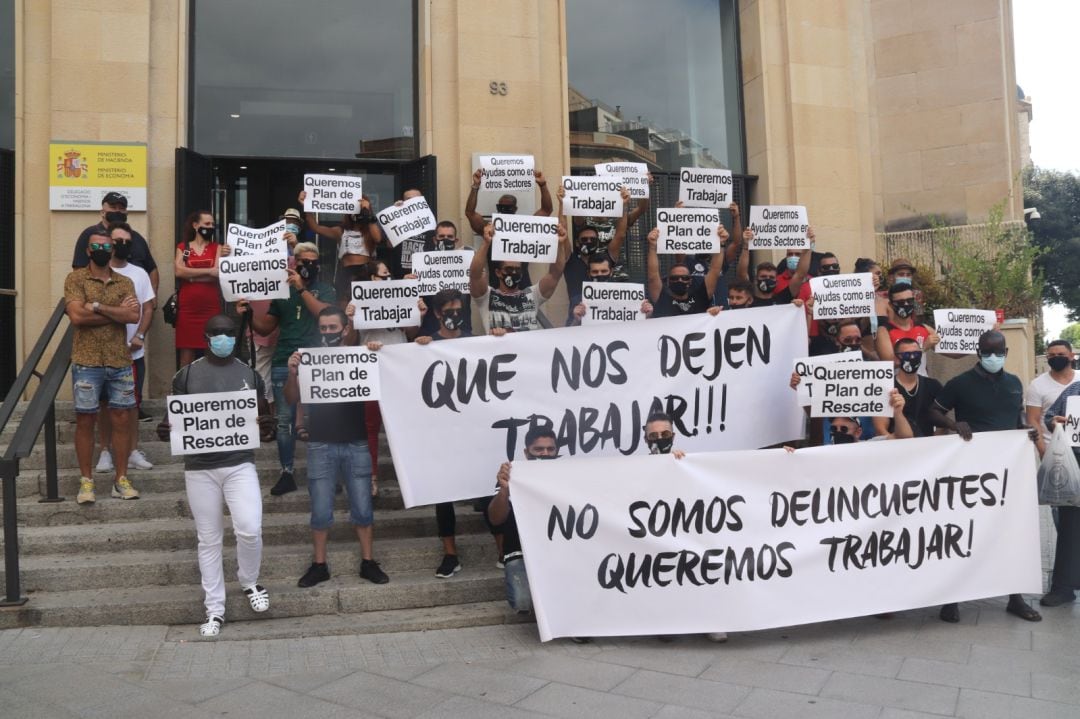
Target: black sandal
[1023,610]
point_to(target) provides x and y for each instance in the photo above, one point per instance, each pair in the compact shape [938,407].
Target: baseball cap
[114,198]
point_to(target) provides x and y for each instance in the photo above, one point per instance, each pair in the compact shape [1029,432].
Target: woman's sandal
[212,627]
[258,597]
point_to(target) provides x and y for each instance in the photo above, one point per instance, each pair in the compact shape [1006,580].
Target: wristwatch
[96,307]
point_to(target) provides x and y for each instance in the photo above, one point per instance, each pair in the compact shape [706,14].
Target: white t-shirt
[352,243]
[517,311]
[1043,391]
[144,292]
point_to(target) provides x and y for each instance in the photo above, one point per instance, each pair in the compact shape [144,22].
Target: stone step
[454,616]
[183,603]
[176,534]
[65,408]
[282,563]
[168,505]
[157,452]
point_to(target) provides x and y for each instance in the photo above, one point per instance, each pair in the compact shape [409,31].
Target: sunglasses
[107,246]
[842,429]
[653,436]
[382,277]
[445,237]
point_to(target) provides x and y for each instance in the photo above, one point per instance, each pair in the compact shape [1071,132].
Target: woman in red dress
[197,272]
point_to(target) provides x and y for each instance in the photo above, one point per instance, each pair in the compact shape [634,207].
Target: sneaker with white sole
[449,566]
[123,489]
[138,460]
[104,463]
[86,491]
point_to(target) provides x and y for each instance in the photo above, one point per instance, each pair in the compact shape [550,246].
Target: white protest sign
[1072,419]
[647,545]
[724,380]
[688,230]
[213,422]
[251,241]
[442,270]
[413,217]
[959,330]
[525,238]
[804,367]
[386,303]
[840,296]
[634,176]
[612,302]
[592,196]
[705,187]
[507,173]
[779,227]
[333,193]
[338,374]
[263,276]
[851,389]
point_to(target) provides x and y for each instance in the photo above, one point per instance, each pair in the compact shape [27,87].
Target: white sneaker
[104,463]
[138,460]
[718,637]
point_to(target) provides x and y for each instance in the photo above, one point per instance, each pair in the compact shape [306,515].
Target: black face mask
[733,306]
[600,278]
[447,244]
[587,248]
[831,328]
[122,250]
[851,346]
[308,271]
[661,446]
[510,280]
[332,339]
[529,455]
[506,209]
[678,285]
[452,319]
[207,233]
[910,361]
[115,217]
[826,270]
[904,308]
[842,438]
[766,285]
[100,257]
[1058,363]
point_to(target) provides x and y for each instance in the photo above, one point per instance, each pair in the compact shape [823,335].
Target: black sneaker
[449,566]
[315,574]
[143,416]
[369,570]
[285,484]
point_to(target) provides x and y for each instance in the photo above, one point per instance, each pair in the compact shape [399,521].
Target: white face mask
[992,363]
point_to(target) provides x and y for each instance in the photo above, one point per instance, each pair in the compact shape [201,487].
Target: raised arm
[640,209]
[478,281]
[332,233]
[716,265]
[801,271]
[545,196]
[654,285]
[555,269]
[476,220]
[733,249]
[743,270]
[499,509]
[621,225]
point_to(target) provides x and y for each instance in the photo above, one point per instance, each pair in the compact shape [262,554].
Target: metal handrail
[40,413]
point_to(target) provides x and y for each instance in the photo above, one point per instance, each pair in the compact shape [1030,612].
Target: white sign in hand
[333,193]
[252,241]
[840,296]
[851,389]
[263,276]
[592,196]
[688,230]
[634,176]
[960,330]
[213,422]
[525,238]
[400,222]
[705,187]
[338,374]
[612,302]
[507,173]
[779,227]
[386,303]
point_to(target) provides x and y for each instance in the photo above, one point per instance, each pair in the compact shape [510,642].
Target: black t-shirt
[140,250]
[577,272]
[917,405]
[783,297]
[337,422]
[404,251]
[699,267]
[988,403]
[697,301]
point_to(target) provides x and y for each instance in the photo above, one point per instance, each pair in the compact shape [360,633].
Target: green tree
[1071,333]
[1056,195]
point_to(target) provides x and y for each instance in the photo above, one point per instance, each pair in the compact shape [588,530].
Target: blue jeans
[324,461]
[517,586]
[286,418]
[91,385]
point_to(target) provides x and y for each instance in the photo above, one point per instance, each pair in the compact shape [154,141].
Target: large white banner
[739,541]
[724,379]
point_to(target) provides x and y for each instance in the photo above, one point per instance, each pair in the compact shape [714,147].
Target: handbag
[171,309]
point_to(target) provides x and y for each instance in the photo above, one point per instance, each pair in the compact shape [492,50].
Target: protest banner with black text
[386,303]
[442,270]
[851,389]
[1072,419]
[507,173]
[525,238]
[338,374]
[959,330]
[688,230]
[742,541]
[804,367]
[592,196]
[839,296]
[705,187]
[634,176]
[263,276]
[779,227]
[411,218]
[724,380]
[213,422]
[612,302]
[257,241]
[339,194]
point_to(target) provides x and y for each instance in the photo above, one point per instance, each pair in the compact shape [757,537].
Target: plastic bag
[1059,473]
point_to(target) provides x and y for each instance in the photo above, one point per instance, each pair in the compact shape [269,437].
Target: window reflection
[654,82]
[321,78]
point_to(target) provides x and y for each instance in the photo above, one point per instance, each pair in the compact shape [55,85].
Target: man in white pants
[214,479]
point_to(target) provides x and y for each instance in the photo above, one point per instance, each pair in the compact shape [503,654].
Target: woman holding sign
[358,237]
[199,296]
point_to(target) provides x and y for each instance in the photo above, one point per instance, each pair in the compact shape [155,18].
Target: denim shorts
[91,385]
[325,462]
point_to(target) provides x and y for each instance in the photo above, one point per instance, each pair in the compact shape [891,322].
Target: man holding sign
[1066,577]
[337,444]
[215,479]
[682,295]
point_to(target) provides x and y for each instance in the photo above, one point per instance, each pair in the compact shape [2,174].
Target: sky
[1044,35]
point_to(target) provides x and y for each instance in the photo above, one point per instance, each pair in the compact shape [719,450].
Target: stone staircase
[133,562]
